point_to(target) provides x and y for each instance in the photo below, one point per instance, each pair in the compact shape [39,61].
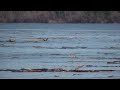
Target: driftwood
[54,70]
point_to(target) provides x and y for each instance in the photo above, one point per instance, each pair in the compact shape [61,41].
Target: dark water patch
[51,62]
[114,48]
[83,47]
[86,61]
[76,74]
[8,39]
[11,40]
[116,58]
[59,38]
[98,58]
[111,76]
[101,58]
[56,54]
[15,57]
[78,61]
[108,53]
[114,62]
[60,47]
[100,66]
[56,76]
[67,48]
[60,57]
[73,47]
[2,41]
[110,48]
[38,47]
[3,45]
[45,47]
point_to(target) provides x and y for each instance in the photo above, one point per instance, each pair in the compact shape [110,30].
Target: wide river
[66,46]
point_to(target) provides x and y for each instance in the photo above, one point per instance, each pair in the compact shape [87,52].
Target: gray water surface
[68,46]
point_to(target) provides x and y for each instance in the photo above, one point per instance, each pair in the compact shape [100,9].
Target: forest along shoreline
[60,16]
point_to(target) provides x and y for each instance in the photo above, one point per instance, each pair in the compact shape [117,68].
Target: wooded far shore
[60,16]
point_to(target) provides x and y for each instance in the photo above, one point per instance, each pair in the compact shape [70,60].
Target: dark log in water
[54,70]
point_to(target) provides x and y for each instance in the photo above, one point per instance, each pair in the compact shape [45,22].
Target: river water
[91,46]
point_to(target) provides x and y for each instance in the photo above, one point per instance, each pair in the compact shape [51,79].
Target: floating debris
[114,47]
[91,70]
[54,70]
[37,39]
[78,67]
[111,76]
[11,40]
[73,47]
[56,76]
[114,62]
[76,74]
[100,66]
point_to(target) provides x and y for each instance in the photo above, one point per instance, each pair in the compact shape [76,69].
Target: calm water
[93,46]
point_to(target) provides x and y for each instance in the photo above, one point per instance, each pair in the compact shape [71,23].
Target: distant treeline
[61,16]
